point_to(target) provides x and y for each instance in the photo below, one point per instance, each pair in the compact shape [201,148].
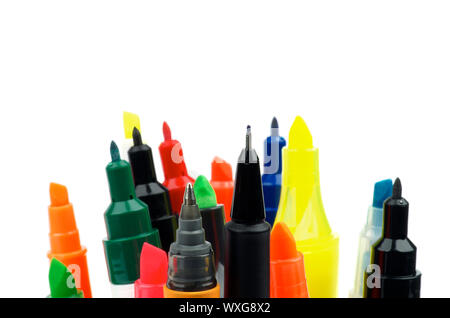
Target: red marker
[175,172]
[153,273]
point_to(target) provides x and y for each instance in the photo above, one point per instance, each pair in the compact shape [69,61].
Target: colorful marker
[65,239]
[370,233]
[222,183]
[191,258]
[175,172]
[128,226]
[151,192]
[130,121]
[287,271]
[153,273]
[62,283]
[213,221]
[302,210]
[393,273]
[247,238]
[271,179]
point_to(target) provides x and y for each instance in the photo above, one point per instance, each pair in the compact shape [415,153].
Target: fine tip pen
[191,271]
[128,227]
[392,272]
[247,235]
[150,191]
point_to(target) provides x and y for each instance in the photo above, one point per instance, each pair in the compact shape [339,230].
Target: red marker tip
[282,243]
[154,265]
[166,132]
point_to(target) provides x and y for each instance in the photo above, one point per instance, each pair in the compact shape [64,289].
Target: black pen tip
[397,189]
[137,139]
[274,123]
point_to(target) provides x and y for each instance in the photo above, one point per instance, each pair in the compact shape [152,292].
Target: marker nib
[189,196]
[58,195]
[137,139]
[166,132]
[114,150]
[397,189]
[248,142]
[274,123]
[299,135]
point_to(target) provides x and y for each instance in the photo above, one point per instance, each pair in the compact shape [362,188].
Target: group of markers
[259,236]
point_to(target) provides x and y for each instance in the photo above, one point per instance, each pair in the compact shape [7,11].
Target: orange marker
[64,238]
[222,183]
[287,271]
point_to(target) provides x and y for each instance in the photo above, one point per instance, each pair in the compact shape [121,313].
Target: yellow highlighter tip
[130,121]
[299,135]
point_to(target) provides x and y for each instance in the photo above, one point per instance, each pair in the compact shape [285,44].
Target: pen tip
[274,123]
[166,132]
[397,189]
[114,150]
[137,139]
[58,195]
[189,196]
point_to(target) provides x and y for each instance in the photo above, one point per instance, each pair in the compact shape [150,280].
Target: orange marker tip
[282,243]
[58,194]
[166,131]
[221,170]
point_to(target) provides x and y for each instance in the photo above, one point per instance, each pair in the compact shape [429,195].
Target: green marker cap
[62,283]
[128,223]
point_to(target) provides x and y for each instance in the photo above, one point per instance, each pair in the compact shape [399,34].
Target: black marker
[247,235]
[394,255]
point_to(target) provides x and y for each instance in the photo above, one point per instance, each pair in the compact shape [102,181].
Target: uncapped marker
[394,254]
[302,210]
[222,183]
[175,173]
[271,179]
[370,233]
[62,283]
[191,258]
[150,191]
[247,247]
[213,221]
[128,227]
[287,271]
[65,239]
[153,273]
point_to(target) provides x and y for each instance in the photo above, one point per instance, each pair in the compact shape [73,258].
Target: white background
[371,79]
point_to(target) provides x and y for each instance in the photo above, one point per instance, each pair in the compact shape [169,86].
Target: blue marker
[271,179]
[370,233]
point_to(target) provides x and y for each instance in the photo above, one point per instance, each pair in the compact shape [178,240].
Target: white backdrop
[371,79]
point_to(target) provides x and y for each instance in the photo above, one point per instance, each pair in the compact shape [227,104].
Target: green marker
[62,283]
[213,219]
[128,226]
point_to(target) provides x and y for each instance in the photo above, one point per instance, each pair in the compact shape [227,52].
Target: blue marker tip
[381,191]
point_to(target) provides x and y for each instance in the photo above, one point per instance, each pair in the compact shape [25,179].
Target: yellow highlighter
[130,121]
[302,210]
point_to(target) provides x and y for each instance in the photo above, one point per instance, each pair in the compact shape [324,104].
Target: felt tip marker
[62,282]
[222,183]
[370,233]
[287,271]
[392,272]
[153,273]
[247,235]
[65,238]
[213,221]
[271,178]
[150,191]
[191,258]
[128,227]
[302,210]
[174,167]
[130,121]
